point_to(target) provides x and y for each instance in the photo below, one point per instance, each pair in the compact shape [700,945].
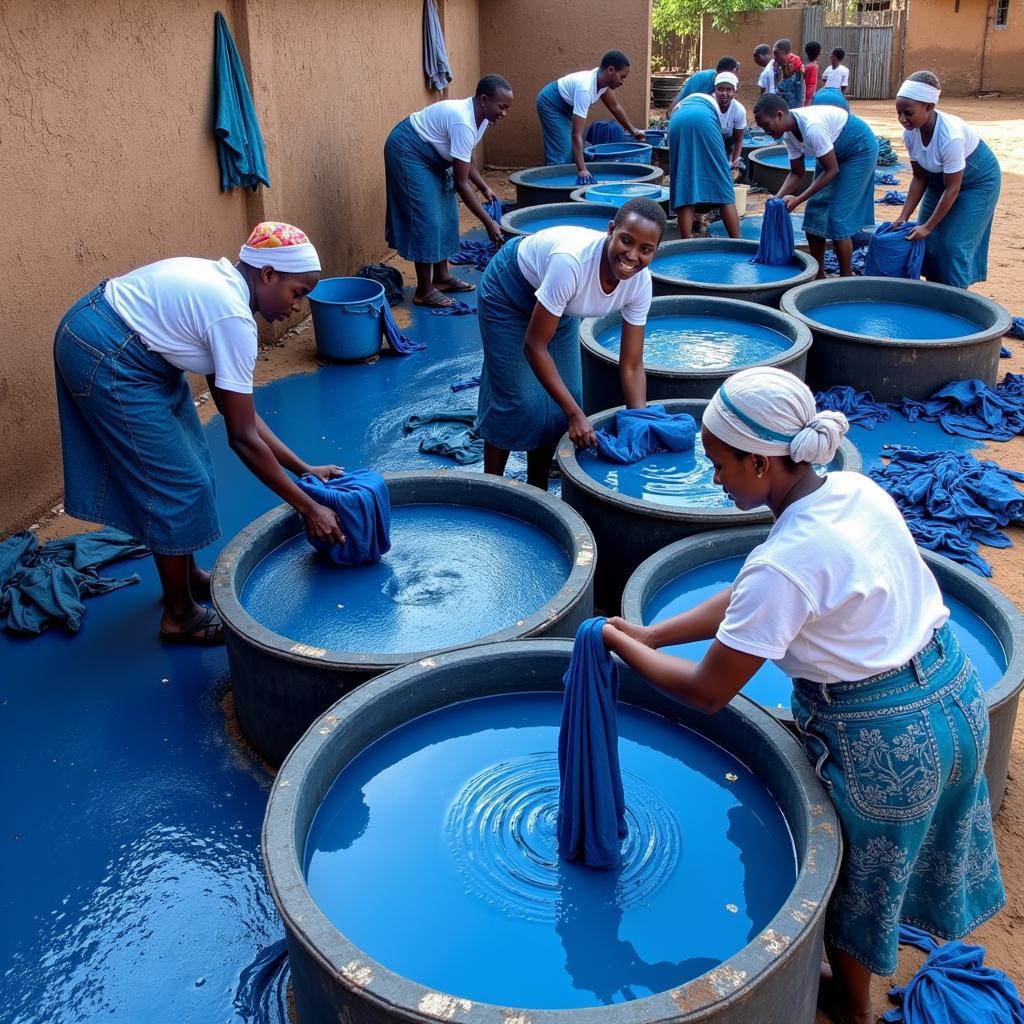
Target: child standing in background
[837,75]
[813,52]
[789,73]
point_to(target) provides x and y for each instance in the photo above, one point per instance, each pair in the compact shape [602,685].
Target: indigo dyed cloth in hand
[970,408]
[775,246]
[453,434]
[858,407]
[951,502]
[360,501]
[953,986]
[891,254]
[43,586]
[642,432]
[243,164]
[435,53]
[591,805]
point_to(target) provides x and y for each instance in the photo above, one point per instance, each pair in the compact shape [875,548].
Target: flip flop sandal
[457,285]
[432,298]
[208,630]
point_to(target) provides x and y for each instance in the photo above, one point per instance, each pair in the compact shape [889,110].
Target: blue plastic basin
[620,152]
[347,317]
[618,193]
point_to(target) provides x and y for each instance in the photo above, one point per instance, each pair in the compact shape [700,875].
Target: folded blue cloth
[1016,328]
[360,501]
[465,385]
[891,254]
[457,308]
[884,178]
[642,432]
[775,246]
[886,154]
[453,434]
[970,408]
[893,198]
[858,407]
[43,586]
[591,805]
[953,986]
[1004,352]
[400,343]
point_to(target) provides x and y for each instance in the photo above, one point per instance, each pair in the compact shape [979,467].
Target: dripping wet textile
[891,254]
[400,343]
[360,501]
[970,408]
[775,246]
[452,434]
[859,407]
[642,432]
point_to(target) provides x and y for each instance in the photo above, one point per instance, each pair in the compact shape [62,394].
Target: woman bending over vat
[531,297]
[841,197]
[956,183]
[427,160]
[135,457]
[889,708]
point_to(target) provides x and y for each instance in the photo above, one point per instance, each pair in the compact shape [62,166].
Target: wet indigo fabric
[858,407]
[42,586]
[455,308]
[399,342]
[884,178]
[970,408]
[892,198]
[478,254]
[891,254]
[775,246]
[466,384]
[435,53]
[601,132]
[360,501]
[642,432]
[1016,328]
[452,434]
[953,986]
[591,805]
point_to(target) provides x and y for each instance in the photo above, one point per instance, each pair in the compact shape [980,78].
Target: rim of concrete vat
[531,189]
[771,176]
[791,938]
[512,497]
[579,195]
[517,221]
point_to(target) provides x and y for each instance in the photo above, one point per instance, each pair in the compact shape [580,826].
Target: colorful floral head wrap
[281,246]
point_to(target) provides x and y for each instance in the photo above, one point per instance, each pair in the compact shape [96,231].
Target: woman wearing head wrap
[135,457]
[956,181]
[889,708]
[732,115]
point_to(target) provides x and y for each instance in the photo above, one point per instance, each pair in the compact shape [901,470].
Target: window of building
[1002,13]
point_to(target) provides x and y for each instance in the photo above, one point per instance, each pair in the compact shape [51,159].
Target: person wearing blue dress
[704,81]
[831,97]
[956,182]
[841,197]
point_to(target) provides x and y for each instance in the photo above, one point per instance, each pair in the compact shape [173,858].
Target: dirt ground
[1000,122]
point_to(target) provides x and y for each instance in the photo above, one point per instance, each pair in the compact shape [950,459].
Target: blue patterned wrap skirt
[902,755]
[699,167]
[555,125]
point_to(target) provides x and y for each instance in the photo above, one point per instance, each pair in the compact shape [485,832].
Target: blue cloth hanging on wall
[859,407]
[435,53]
[591,804]
[360,501]
[243,164]
[776,245]
[891,254]
[642,432]
[970,408]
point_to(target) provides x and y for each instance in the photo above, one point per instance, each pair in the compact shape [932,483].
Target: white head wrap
[770,412]
[727,78]
[920,91]
[286,259]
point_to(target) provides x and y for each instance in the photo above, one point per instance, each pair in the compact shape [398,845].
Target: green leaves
[683,17]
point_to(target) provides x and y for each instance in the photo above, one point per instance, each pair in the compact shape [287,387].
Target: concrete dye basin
[769,166]
[622,194]
[555,184]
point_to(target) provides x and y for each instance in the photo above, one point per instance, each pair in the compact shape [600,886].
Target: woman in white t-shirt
[427,160]
[563,105]
[837,74]
[135,457]
[956,182]
[531,298]
[889,708]
[732,115]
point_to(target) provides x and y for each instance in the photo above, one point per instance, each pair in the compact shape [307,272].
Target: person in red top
[813,52]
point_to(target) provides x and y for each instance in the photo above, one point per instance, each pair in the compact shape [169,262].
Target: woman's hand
[494,233]
[323,473]
[322,524]
[638,135]
[791,202]
[581,433]
[918,234]
[488,195]
[642,634]
[899,222]
[584,178]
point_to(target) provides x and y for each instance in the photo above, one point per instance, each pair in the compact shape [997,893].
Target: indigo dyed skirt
[842,208]
[700,171]
[902,755]
[514,412]
[135,457]
[422,218]
[555,125]
[956,252]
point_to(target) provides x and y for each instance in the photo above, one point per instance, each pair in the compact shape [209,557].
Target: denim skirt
[902,755]
[135,457]
[555,125]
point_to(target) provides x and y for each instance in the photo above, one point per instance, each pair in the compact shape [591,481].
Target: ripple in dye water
[727,268]
[903,321]
[434,852]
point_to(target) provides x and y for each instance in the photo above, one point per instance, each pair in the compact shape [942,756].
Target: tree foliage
[683,17]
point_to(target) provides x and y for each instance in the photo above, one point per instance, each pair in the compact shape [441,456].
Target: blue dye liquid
[781,159]
[926,437]
[904,321]
[702,343]
[583,219]
[750,229]
[453,575]
[569,180]
[770,687]
[435,852]
[720,268]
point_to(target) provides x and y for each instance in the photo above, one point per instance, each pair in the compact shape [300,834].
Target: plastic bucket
[618,193]
[620,152]
[741,200]
[656,136]
[347,317]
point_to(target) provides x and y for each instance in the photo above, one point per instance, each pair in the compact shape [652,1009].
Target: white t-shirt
[734,118]
[580,91]
[450,127]
[953,141]
[193,312]
[820,126]
[564,265]
[766,80]
[835,77]
[838,591]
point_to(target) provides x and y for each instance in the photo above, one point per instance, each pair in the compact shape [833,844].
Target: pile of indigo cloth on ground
[891,254]
[642,432]
[952,502]
[591,805]
[42,586]
[859,407]
[953,986]
[775,247]
[1016,328]
[892,198]
[479,254]
[882,178]
[970,408]
[857,262]
[886,154]
[452,434]
[360,501]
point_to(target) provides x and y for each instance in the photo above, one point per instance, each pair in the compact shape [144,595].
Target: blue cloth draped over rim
[699,167]
[555,125]
[638,433]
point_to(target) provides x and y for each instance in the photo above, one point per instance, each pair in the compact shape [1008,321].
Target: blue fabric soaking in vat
[902,321]
[892,254]
[971,408]
[591,806]
[859,407]
[452,817]
[702,343]
[638,433]
[775,246]
[453,575]
[726,268]
[360,501]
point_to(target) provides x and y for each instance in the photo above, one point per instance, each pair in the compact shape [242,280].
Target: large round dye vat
[616,195]
[555,184]
[556,215]
[636,510]
[897,338]
[721,268]
[691,345]
[409,847]
[769,166]
[750,229]
[473,559]
[988,626]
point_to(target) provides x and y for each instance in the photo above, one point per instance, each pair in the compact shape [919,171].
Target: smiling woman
[134,455]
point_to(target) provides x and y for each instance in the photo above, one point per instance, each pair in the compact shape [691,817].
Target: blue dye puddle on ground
[771,687]
[702,343]
[453,575]
[721,268]
[435,852]
[900,432]
[781,159]
[583,219]
[568,180]
[905,321]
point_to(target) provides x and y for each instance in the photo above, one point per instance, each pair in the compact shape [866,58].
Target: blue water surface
[729,268]
[584,218]
[781,159]
[903,321]
[569,178]
[750,228]
[435,852]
